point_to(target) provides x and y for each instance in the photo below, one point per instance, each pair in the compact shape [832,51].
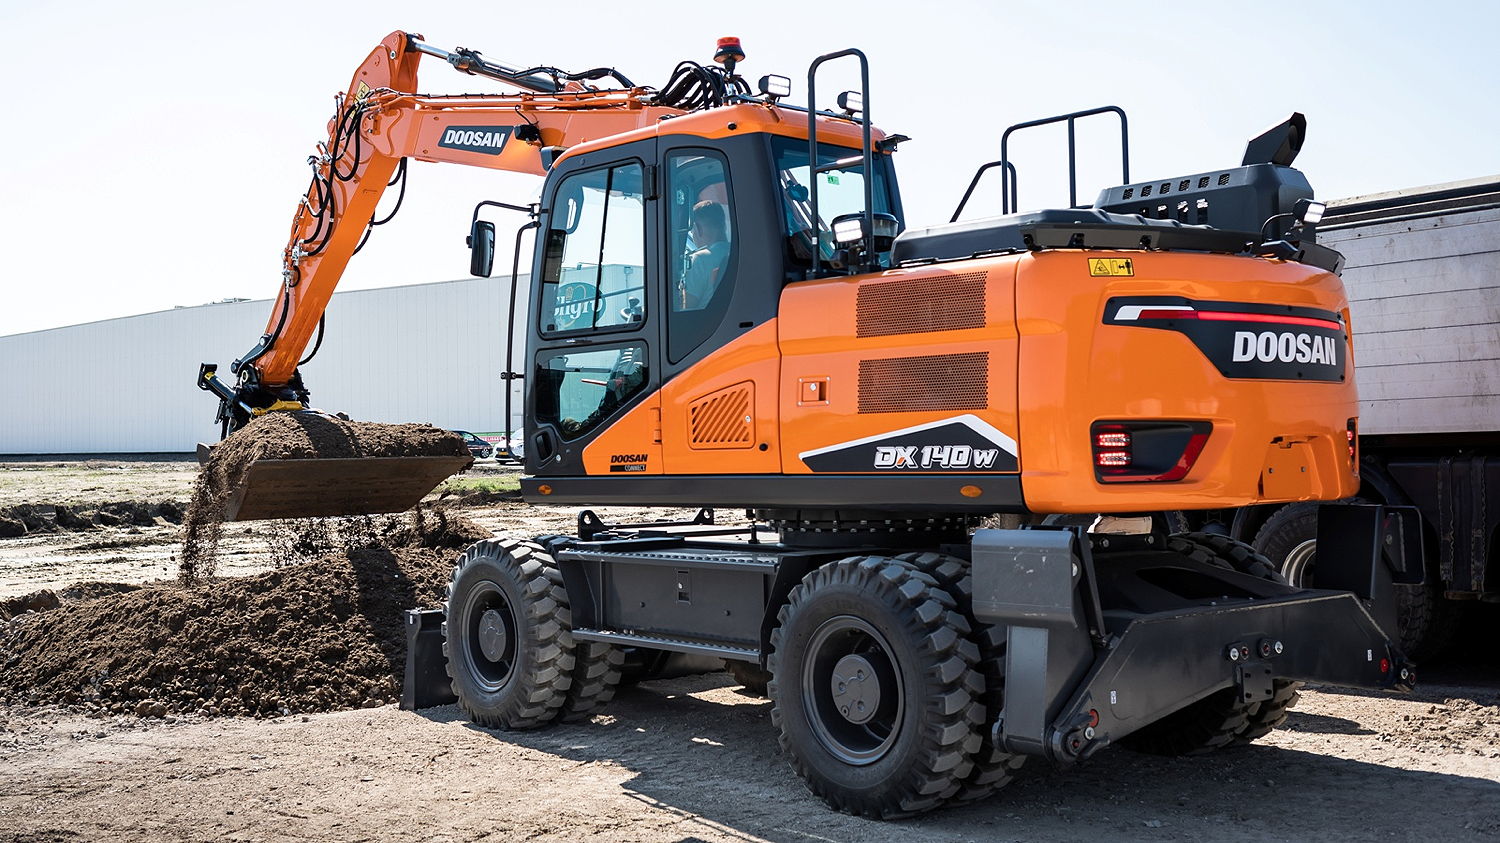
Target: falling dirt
[291,436]
[321,635]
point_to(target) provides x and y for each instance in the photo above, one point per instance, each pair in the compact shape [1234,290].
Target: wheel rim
[852,690]
[1299,564]
[492,640]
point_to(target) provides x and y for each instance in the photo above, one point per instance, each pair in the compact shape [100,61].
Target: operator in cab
[709,229]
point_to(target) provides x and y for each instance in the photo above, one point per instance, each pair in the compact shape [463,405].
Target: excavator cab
[657,254]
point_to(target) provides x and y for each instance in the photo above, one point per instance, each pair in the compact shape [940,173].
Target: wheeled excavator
[728,311]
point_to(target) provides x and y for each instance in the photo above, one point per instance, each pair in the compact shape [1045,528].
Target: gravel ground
[681,760]
[693,759]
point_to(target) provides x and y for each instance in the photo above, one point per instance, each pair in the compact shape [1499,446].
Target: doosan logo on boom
[488,139]
[1285,347]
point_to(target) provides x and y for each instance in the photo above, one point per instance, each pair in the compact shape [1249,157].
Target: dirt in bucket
[291,436]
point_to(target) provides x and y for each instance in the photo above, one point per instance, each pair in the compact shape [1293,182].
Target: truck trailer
[1424,295]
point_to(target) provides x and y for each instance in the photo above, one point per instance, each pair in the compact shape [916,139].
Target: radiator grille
[932,382]
[724,419]
[920,305]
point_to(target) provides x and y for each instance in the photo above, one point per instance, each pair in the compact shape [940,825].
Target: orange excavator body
[828,392]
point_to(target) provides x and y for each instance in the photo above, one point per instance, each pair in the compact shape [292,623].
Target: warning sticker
[362,90]
[1110,267]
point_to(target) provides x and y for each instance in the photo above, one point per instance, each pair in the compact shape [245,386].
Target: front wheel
[508,635]
[873,688]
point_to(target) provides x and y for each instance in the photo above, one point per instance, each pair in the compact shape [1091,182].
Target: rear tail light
[1146,452]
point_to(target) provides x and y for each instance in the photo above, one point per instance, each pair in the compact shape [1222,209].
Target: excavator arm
[379,125]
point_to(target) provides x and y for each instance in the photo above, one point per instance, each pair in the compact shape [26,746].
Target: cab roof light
[775,87]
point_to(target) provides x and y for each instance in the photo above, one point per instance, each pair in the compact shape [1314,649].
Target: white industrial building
[418,353]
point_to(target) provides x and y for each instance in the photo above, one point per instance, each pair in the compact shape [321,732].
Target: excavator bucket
[314,488]
[309,464]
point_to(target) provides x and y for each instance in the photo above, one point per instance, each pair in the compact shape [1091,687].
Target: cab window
[700,246]
[594,267]
[578,390]
[840,191]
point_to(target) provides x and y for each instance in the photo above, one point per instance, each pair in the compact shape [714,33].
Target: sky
[153,152]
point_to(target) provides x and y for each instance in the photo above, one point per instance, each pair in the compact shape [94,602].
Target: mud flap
[426,682]
[1378,547]
[1030,581]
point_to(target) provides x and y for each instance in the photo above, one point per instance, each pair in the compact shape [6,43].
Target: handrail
[814,170]
[1009,201]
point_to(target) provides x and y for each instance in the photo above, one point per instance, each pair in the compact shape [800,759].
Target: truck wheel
[752,676]
[873,688]
[1220,719]
[508,638]
[1427,622]
[994,768]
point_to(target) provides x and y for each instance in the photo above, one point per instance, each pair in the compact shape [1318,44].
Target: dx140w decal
[964,443]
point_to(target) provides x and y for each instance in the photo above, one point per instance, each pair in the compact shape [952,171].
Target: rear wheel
[597,668]
[1427,622]
[752,677]
[873,688]
[507,637]
[1220,719]
[994,768]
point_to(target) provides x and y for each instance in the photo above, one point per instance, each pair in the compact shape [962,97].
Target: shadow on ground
[661,733]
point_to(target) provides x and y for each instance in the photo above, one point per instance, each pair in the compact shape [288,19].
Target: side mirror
[481,248]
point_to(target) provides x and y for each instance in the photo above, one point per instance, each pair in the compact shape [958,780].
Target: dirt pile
[292,436]
[27,519]
[36,601]
[317,636]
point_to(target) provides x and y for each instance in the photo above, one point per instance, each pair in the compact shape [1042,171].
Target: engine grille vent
[920,305]
[724,419]
[932,382]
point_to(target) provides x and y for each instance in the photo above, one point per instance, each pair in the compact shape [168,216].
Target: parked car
[517,444]
[478,448]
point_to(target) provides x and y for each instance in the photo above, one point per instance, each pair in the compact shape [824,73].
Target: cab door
[722,278]
[595,351]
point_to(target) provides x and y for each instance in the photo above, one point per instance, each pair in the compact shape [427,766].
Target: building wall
[421,353]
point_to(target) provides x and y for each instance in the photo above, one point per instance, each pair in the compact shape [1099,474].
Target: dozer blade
[314,488]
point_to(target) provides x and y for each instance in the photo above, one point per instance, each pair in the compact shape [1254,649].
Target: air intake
[921,305]
[932,382]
